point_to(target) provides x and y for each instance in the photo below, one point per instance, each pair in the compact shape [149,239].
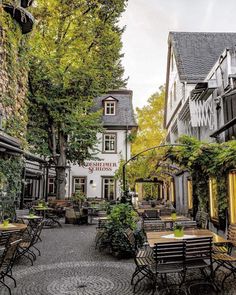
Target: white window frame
[110,108]
[111,187]
[112,142]
[80,183]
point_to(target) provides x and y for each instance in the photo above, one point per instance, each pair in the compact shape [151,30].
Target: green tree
[150,121]
[150,133]
[75,56]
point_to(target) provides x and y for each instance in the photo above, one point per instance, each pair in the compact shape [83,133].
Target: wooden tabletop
[168,218]
[30,217]
[141,210]
[13,226]
[157,237]
[43,208]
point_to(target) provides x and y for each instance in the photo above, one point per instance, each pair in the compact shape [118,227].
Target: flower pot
[5,223]
[178,233]
[173,216]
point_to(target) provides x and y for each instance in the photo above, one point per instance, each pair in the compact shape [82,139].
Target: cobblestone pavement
[70,265]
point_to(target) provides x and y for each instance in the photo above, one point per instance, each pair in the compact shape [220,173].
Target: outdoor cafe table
[43,210]
[168,218]
[13,226]
[141,210]
[162,236]
[30,217]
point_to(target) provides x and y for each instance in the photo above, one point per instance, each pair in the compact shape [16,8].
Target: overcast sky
[148,23]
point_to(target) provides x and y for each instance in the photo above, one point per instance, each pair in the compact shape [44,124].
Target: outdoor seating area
[17,241]
[174,246]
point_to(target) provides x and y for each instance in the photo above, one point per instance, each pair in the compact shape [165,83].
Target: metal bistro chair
[198,255]
[228,247]
[222,255]
[8,255]
[188,224]
[153,225]
[142,258]
[169,258]
[202,219]
[165,212]
[151,214]
[29,240]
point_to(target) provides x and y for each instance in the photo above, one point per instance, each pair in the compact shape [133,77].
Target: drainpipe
[126,143]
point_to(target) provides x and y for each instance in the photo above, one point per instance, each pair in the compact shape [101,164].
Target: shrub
[122,216]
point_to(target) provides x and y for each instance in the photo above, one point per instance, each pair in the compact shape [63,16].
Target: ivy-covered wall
[13,76]
[13,106]
[205,160]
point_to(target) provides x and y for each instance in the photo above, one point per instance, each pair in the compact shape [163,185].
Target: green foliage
[75,57]
[14,69]
[121,217]
[204,160]
[10,179]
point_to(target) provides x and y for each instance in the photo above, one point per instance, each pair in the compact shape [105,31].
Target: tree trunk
[61,182]
[61,168]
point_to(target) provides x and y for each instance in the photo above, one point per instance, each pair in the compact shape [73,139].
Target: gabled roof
[124,112]
[109,97]
[196,53]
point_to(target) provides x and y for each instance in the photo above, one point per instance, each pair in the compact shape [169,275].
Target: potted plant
[78,198]
[5,220]
[173,214]
[31,213]
[178,230]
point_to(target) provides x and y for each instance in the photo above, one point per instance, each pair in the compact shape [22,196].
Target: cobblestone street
[70,265]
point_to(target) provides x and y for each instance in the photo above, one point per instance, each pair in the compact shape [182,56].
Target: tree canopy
[75,56]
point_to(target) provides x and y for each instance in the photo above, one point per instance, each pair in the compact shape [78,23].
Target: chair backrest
[198,249]
[201,219]
[128,233]
[7,258]
[188,224]
[165,211]
[204,220]
[232,234]
[169,253]
[151,214]
[153,225]
[22,212]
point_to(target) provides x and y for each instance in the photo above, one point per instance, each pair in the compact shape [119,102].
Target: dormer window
[110,104]
[110,108]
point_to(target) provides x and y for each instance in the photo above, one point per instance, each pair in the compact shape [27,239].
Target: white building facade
[200,95]
[96,178]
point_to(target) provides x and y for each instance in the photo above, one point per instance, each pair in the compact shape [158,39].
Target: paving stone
[70,265]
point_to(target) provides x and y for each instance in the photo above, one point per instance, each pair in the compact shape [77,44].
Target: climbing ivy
[13,105]
[14,77]
[204,160]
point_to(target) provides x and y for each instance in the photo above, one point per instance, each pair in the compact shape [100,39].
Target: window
[51,186]
[108,188]
[109,142]
[110,107]
[29,187]
[213,199]
[190,193]
[79,184]
[232,197]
